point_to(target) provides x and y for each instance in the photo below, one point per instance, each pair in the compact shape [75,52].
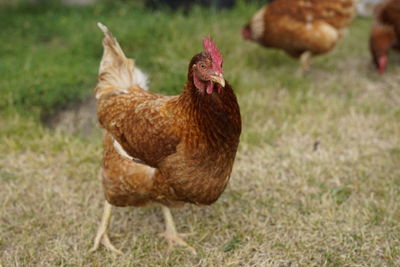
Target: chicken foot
[172,236]
[102,236]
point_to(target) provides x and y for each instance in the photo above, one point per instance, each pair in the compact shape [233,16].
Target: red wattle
[210,87]
[382,64]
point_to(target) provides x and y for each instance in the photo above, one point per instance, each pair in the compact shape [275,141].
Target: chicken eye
[202,66]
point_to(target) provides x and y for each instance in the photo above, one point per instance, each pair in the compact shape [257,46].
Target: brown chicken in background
[302,28]
[385,33]
[166,149]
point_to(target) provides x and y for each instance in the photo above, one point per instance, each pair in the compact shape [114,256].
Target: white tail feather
[117,73]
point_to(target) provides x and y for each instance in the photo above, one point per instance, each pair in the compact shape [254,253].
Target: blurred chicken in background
[365,8]
[302,28]
[385,33]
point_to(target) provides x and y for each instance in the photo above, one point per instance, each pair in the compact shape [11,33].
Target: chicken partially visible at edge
[302,28]
[166,149]
[385,32]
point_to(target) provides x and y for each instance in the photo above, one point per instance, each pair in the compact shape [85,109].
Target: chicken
[302,28]
[170,150]
[385,33]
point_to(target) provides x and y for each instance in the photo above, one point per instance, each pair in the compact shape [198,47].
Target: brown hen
[385,33]
[302,28]
[165,149]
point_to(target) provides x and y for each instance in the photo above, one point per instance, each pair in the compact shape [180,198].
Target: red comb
[212,49]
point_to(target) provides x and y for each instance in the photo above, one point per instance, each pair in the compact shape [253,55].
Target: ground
[316,180]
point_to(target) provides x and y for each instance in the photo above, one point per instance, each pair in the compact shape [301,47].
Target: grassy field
[317,176]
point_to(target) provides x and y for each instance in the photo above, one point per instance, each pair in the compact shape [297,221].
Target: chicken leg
[305,62]
[102,236]
[172,236]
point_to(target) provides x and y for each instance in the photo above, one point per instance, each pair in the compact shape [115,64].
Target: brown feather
[388,13]
[385,32]
[297,26]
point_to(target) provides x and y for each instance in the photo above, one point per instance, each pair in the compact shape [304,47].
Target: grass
[317,177]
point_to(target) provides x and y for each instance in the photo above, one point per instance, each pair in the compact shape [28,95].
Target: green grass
[316,181]
[51,54]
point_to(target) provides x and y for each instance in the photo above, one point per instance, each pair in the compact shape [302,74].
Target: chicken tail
[117,73]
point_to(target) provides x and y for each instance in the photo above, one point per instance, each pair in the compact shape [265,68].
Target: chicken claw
[173,237]
[102,236]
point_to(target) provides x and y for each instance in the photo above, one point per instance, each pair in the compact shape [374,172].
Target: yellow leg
[101,236]
[305,63]
[172,236]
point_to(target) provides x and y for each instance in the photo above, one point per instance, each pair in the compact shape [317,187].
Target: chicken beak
[218,78]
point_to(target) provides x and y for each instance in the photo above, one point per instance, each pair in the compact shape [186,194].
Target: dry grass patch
[316,181]
[318,186]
